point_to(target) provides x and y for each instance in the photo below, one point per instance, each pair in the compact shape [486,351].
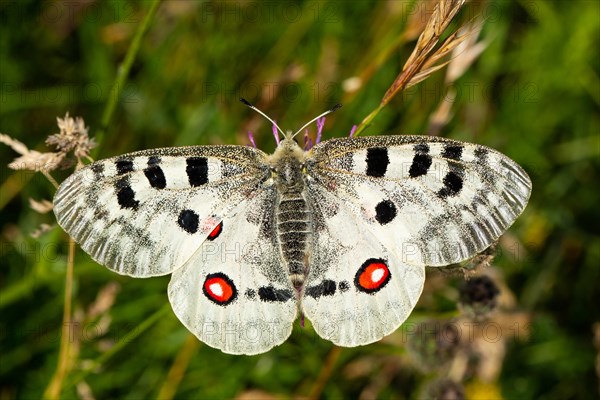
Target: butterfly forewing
[438,201]
[145,213]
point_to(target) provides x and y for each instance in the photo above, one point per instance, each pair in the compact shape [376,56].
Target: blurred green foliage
[533,94]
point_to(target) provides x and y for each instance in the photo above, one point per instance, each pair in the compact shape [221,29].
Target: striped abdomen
[293,228]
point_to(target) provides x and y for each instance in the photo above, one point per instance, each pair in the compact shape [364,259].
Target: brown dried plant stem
[325,373]
[177,371]
[53,391]
[423,61]
[55,386]
[51,179]
[399,85]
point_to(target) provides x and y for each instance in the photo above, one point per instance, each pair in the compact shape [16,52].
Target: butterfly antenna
[337,106]
[246,102]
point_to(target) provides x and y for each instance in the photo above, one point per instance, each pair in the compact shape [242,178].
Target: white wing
[145,213]
[358,289]
[234,294]
[434,201]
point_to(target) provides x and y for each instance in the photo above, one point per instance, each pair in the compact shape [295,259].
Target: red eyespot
[372,276]
[219,289]
[216,232]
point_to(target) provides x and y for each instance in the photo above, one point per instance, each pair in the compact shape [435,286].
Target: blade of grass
[120,345]
[123,71]
[54,388]
[317,390]
[175,375]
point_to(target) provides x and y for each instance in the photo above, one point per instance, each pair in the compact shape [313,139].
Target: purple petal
[353,130]
[320,125]
[275,133]
[251,137]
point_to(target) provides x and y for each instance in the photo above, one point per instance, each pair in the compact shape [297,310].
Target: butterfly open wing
[145,213]
[382,208]
[358,289]
[441,201]
[233,294]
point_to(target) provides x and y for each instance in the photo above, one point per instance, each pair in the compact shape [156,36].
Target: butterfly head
[289,136]
[287,163]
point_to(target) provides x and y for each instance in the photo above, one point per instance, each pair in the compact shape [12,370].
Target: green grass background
[534,94]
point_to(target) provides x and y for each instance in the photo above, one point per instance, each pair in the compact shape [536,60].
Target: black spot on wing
[98,169]
[155,174]
[325,288]
[385,212]
[251,294]
[420,165]
[344,286]
[453,183]
[481,154]
[269,293]
[421,148]
[452,151]
[377,161]
[125,194]
[124,166]
[188,220]
[197,170]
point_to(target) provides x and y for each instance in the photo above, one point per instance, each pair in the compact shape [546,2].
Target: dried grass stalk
[421,62]
[428,56]
[464,53]
[72,137]
[42,206]
[30,159]
[41,230]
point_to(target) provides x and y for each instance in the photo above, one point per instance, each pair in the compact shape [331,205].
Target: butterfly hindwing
[358,289]
[441,200]
[145,213]
[233,294]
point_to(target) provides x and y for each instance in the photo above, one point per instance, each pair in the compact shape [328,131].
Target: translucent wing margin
[442,201]
[145,213]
